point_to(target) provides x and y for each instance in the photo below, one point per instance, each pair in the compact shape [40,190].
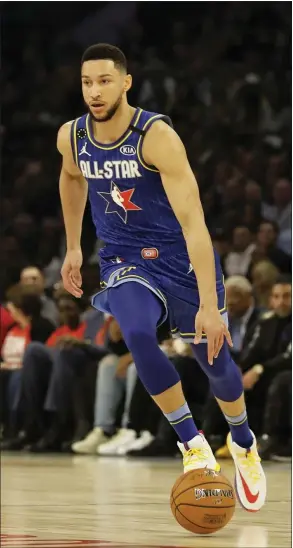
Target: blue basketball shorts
[174,285]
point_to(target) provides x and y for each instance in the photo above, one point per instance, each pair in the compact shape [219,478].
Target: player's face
[103,88]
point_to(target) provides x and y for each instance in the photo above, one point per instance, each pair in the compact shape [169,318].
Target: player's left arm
[164,149]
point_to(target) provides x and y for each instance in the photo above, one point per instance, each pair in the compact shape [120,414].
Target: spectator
[31,276]
[242,311]
[222,246]
[276,441]
[116,377]
[25,309]
[266,247]
[271,335]
[24,230]
[47,379]
[238,260]
[267,354]
[72,327]
[281,210]
[6,322]
[264,275]
[13,258]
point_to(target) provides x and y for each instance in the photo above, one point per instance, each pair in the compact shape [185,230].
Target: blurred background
[222,72]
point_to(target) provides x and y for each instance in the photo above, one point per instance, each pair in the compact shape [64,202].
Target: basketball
[202,501]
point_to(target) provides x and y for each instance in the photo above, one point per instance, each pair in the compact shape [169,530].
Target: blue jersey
[134,219]
[128,202]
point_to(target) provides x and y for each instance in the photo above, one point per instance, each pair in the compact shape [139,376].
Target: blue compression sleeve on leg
[226,384]
[224,375]
[138,311]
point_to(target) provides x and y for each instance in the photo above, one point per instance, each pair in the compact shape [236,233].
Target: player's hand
[213,325]
[70,272]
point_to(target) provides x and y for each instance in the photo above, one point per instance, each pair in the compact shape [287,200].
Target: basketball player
[158,258]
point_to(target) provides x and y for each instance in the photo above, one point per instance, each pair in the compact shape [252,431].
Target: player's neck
[110,131]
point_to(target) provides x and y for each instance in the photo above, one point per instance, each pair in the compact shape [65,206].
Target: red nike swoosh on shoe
[250,497]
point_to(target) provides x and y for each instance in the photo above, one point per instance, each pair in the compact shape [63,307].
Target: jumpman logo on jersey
[84,150]
[119,201]
[190,269]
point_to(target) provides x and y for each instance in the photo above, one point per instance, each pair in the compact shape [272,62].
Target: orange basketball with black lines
[202,501]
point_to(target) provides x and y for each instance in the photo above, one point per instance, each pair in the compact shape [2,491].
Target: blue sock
[226,384]
[138,311]
[240,431]
[183,423]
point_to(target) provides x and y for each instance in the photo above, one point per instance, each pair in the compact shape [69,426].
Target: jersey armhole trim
[140,142]
[73,140]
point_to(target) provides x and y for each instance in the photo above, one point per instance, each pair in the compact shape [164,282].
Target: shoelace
[250,462]
[199,455]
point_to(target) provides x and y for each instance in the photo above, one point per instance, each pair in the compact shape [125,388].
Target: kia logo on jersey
[128,150]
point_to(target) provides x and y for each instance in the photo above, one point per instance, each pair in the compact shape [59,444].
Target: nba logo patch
[149,253]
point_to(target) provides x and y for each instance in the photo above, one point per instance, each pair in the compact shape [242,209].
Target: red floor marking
[31,541]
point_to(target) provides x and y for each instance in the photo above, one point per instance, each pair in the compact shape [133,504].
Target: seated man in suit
[266,353]
[267,363]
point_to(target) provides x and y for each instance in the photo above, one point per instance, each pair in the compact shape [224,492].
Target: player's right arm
[73,193]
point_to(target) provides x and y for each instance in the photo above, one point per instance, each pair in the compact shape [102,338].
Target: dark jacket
[41,329]
[253,318]
[270,344]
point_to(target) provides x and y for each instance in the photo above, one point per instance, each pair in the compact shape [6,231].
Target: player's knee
[223,365]
[224,369]
[139,338]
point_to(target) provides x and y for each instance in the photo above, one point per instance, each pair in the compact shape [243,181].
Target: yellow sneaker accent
[223,452]
[194,456]
[197,455]
[250,463]
[250,478]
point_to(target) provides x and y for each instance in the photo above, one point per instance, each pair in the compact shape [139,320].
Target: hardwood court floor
[60,501]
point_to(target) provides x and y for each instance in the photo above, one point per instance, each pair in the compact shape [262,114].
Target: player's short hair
[105,51]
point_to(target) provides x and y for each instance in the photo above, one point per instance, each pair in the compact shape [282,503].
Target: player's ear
[127,82]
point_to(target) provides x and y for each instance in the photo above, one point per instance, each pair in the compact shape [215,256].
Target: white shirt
[237,263]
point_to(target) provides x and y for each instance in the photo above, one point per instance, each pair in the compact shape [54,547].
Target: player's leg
[138,312]
[226,384]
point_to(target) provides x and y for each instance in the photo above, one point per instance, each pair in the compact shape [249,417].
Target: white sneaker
[89,445]
[250,480]
[144,439]
[121,439]
[198,454]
